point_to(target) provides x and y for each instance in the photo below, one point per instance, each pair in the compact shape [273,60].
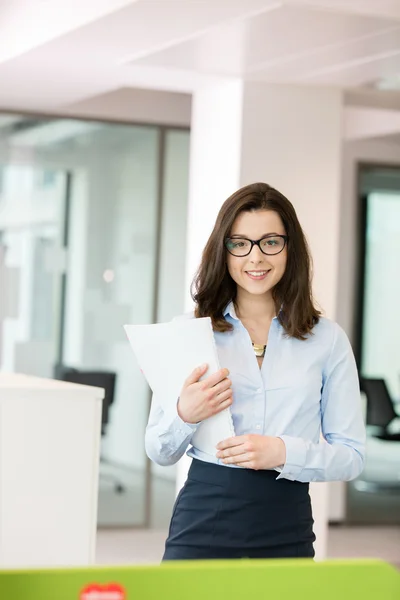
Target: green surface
[213,580]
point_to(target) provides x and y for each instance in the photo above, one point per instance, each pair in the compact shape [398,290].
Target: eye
[271,242]
[236,244]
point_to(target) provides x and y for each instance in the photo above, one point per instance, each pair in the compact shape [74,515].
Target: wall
[137,105]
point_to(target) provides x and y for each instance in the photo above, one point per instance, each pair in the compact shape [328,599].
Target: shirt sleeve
[167,435]
[339,456]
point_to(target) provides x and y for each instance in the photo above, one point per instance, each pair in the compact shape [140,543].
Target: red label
[108,591]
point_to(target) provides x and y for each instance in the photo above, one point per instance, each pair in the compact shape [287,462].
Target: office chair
[380,408]
[101,379]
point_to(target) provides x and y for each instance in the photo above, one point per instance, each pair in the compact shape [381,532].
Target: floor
[136,546]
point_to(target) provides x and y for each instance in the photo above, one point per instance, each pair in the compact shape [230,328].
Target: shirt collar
[230,310]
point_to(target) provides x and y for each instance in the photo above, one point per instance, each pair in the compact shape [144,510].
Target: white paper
[167,353]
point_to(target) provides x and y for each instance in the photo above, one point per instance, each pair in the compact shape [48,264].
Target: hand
[253,451]
[202,399]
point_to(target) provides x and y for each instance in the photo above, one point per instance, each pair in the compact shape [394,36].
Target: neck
[257,308]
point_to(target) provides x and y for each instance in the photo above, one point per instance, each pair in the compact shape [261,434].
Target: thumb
[195,375]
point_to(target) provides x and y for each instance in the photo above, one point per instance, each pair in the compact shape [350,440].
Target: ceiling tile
[244,47]
[333,58]
[382,8]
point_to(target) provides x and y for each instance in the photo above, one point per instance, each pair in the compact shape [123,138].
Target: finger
[195,375]
[222,406]
[233,441]
[237,460]
[214,379]
[220,388]
[222,397]
[234,451]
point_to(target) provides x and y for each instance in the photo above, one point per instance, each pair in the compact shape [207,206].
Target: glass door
[375,496]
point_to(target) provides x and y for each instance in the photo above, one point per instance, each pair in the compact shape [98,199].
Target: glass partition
[32,213]
[92,232]
[375,496]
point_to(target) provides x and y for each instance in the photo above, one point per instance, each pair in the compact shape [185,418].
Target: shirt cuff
[296,454]
[171,419]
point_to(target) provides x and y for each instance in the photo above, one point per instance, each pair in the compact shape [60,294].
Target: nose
[256,256]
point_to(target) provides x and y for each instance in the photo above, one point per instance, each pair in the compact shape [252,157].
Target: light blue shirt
[303,389]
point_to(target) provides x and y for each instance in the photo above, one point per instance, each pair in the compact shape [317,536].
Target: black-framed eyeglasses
[270,245]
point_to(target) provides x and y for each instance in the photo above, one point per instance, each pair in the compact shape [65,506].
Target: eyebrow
[239,235]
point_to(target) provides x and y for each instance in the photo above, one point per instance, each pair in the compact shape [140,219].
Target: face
[257,273]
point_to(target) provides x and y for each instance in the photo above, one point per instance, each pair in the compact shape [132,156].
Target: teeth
[257,273]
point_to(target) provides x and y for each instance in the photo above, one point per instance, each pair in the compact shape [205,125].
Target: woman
[292,376]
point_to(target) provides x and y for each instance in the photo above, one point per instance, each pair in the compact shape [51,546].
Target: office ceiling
[56,54]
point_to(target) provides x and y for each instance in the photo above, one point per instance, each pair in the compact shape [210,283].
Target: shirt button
[259,390]
[258,426]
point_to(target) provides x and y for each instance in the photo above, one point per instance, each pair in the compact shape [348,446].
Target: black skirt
[224,512]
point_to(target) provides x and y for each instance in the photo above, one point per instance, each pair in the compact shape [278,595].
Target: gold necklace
[259,349]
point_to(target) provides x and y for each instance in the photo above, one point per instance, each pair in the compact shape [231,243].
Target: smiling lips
[257,275]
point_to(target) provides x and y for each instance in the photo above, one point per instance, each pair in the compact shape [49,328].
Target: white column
[215,155]
[289,137]
[292,139]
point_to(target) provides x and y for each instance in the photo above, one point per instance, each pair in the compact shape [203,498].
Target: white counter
[49,463]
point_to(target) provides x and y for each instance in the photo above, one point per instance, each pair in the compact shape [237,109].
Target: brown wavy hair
[213,287]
